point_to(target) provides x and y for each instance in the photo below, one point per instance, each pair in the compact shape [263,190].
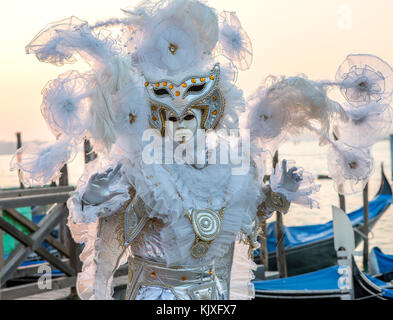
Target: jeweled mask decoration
[176,99]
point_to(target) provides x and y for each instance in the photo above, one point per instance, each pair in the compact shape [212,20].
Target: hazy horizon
[289,37]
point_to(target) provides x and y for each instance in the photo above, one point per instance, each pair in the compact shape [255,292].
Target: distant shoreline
[9,148]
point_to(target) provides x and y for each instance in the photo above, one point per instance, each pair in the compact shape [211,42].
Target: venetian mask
[184,129]
[196,102]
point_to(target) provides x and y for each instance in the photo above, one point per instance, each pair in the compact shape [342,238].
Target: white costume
[186,228]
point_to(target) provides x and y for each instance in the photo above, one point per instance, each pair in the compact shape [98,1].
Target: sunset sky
[289,37]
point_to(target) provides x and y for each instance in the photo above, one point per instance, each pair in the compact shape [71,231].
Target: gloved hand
[290,180]
[97,190]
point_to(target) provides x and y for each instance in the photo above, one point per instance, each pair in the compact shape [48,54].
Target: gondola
[381,265]
[344,281]
[310,248]
[369,287]
[323,285]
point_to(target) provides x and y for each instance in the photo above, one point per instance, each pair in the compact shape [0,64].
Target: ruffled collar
[171,190]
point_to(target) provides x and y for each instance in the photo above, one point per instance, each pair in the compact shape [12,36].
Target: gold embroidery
[119,231]
[205,110]
[141,214]
[151,225]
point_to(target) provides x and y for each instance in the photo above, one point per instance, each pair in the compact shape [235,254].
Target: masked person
[165,86]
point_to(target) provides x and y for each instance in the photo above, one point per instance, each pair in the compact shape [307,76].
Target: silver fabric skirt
[149,280]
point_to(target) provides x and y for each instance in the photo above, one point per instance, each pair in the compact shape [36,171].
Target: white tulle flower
[234,41]
[267,117]
[179,36]
[132,111]
[66,104]
[349,167]
[290,104]
[366,125]
[60,42]
[364,79]
[53,44]
[171,47]
[41,164]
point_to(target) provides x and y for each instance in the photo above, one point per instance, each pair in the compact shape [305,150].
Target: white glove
[297,185]
[290,180]
[98,190]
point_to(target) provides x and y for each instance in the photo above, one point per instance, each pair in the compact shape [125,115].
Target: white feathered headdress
[157,38]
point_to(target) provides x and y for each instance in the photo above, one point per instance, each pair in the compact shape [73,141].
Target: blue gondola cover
[321,280]
[325,279]
[380,262]
[300,235]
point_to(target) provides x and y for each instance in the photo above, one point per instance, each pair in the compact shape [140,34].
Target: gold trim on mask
[210,100]
[162,117]
[205,114]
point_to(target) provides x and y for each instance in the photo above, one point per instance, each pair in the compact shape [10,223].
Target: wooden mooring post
[18,146]
[365,228]
[1,246]
[391,153]
[263,253]
[90,155]
[280,245]
[341,198]
[342,202]
[73,247]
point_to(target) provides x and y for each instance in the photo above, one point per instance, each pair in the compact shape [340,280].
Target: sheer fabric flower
[267,117]
[235,42]
[59,42]
[41,164]
[290,105]
[179,36]
[349,167]
[364,79]
[170,46]
[51,44]
[366,125]
[66,104]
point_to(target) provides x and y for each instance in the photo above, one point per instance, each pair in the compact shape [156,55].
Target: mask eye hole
[189,117]
[172,119]
[197,88]
[161,92]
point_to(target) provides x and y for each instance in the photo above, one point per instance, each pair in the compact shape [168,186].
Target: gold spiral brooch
[207,225]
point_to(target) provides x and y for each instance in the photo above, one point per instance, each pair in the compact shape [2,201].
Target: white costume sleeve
[242,273]
[99,229]
[103,253]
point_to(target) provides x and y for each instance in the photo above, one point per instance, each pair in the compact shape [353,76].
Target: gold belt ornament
[207,225]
